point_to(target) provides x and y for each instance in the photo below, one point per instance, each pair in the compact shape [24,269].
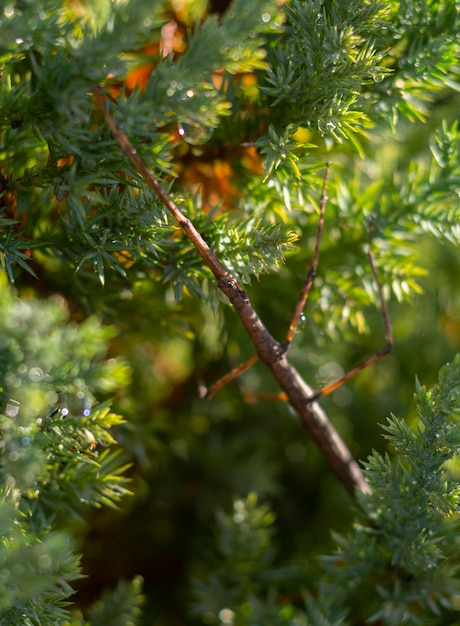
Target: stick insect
[301,397]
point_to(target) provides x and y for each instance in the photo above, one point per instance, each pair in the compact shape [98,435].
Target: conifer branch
[270,351]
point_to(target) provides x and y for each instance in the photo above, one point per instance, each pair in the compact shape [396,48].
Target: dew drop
[12,408]
[36,374]
[195,134]
[302,323]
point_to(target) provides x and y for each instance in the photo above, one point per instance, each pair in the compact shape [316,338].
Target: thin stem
[312,273]
[234,373]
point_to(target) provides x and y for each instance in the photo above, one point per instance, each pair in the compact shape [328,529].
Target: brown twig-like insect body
[273,353]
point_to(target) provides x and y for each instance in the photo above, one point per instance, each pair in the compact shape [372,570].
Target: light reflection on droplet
[302,323]
[36,374]
[12,408]
[194,133]
[227,616]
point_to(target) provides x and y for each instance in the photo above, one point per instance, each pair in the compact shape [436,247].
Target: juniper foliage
[278,89]
[402,554]
[56,456]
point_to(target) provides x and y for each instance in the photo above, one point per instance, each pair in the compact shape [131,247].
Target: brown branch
[270,351]
[234,373]
[314,267]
